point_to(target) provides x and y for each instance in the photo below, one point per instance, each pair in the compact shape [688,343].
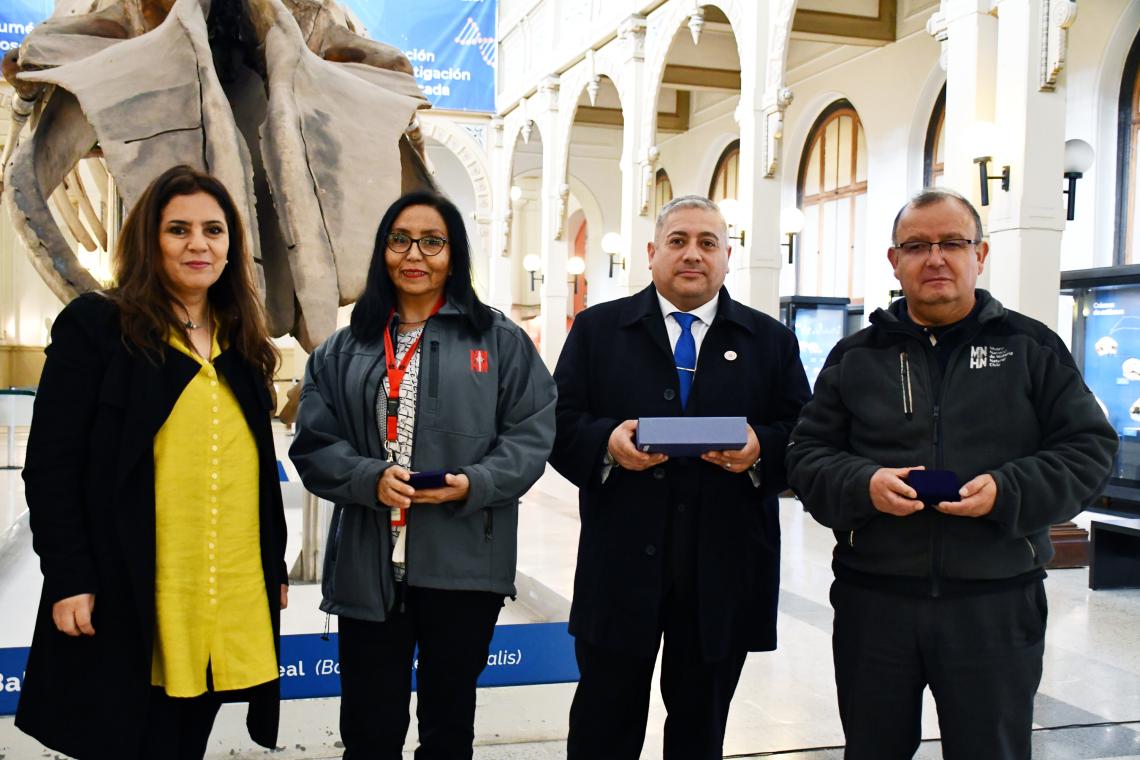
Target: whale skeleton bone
[310,126]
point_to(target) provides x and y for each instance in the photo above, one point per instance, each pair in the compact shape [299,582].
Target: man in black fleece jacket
[948,593]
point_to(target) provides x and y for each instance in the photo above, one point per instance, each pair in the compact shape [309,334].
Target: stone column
[499,251]
[1026,222]
[759,259]
[760,115]
[969,56]
[554,193]
[638,157]
[887,183]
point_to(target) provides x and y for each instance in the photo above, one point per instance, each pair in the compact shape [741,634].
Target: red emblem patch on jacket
[480,361]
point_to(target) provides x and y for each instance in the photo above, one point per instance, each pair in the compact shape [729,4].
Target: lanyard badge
[396,370]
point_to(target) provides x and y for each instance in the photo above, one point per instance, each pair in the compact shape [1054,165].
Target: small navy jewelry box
[934,486]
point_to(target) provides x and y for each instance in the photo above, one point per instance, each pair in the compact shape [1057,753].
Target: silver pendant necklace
[190,324]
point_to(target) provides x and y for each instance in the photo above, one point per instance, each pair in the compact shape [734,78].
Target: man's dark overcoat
[617,364]
[89,481]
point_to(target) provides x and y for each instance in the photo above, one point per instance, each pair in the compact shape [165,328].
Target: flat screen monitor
[819,323]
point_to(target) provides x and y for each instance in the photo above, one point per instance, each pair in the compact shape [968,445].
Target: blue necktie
[685,354]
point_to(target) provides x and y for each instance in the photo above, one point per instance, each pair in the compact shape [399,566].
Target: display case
[854,318]
[819,323]
[1100,321]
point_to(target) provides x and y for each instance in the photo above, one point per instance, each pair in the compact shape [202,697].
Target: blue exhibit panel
[18,18]
[519,655]
[451,44]
[1111,366]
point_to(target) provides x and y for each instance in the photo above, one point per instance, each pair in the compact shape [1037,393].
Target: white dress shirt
[704,318]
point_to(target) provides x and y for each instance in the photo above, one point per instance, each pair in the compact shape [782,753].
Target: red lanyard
[396,371]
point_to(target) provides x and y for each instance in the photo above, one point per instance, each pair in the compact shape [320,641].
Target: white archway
[665,27]
[470,155]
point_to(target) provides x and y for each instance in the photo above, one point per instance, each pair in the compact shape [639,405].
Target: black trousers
[611,703]
[453,630]
[179,728]
[980,655]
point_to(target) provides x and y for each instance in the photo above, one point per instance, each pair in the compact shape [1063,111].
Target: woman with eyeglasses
[424,421]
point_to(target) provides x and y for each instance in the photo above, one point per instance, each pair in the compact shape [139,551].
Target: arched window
[725,176]
[1127,247]
[934,155]
[832,192]
[663,191]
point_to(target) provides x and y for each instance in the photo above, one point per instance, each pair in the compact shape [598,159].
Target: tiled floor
[1088,706]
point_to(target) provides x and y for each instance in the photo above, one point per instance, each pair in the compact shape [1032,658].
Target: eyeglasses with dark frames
[429,245]
[947,247]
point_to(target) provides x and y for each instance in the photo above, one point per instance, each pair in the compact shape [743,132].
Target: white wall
[1098,44]
[453,180]
[893,110]
[595,187]
[525,238]
[27,306]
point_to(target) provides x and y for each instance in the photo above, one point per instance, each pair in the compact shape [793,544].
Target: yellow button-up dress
[211,608]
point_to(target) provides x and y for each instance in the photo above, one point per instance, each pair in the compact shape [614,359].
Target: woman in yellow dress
[153,494]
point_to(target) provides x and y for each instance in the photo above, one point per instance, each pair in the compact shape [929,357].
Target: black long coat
[89,477]
[617,364]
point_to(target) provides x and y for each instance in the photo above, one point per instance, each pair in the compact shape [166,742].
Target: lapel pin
[730,355]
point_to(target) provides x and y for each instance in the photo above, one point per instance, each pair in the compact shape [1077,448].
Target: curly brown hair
[144,298]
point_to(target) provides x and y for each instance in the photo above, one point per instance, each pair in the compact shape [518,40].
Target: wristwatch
[756,466]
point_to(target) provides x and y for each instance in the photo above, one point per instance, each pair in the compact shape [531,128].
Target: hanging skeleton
[309,125]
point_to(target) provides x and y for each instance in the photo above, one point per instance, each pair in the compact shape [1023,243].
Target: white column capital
[772,117]
[547,93]
[503,226]
[631,31]
[937,26]
[562,195]
[1059,15]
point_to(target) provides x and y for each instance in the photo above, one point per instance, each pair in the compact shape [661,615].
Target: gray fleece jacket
[495,426]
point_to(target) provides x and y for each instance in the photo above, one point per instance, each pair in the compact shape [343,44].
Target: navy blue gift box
[690,436]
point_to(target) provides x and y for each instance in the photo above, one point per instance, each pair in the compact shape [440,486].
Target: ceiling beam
[701,78]
[844,25]
[675,121]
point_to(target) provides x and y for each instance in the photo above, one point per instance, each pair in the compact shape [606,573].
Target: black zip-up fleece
[1011,403]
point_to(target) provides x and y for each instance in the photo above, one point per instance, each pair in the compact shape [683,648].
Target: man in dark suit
[683,549]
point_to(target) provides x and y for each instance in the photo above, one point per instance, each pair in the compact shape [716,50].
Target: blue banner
[12,663]
[519,655]
[451,44]
[18,18]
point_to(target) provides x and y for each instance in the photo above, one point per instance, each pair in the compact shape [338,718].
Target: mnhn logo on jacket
[480,361]
[982,357]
